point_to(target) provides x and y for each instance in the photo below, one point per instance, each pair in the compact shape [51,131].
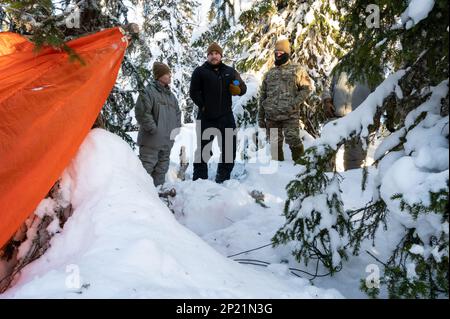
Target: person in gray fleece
[159,117]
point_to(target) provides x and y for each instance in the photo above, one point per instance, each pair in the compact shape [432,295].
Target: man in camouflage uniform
[284,89]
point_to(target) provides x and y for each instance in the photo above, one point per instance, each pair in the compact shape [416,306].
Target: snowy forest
[307,227]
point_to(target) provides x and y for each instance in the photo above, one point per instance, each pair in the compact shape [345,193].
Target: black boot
[224,172]
[200,171]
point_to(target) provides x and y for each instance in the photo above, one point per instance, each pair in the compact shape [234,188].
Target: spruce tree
[167,31]
[412,101]
[312,29]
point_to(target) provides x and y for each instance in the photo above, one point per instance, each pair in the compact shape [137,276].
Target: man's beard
[282,59]
[215,62]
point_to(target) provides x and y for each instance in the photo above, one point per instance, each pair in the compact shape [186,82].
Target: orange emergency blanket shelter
[48,105]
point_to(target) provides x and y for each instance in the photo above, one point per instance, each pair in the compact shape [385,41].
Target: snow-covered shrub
[413,164]
[32,239]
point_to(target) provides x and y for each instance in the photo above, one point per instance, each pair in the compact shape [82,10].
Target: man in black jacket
[212,86]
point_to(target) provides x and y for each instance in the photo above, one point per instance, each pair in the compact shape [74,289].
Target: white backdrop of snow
[127,244]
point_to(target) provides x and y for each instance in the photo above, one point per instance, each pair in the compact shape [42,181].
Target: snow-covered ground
[123,242]
[229,219]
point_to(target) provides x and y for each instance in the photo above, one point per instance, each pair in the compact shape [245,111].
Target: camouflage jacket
[283,91]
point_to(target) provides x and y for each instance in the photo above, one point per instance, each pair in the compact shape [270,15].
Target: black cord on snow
[247,251]
[261,263]
[293,271]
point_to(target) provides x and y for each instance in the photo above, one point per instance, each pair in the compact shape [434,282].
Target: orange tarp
[48,104]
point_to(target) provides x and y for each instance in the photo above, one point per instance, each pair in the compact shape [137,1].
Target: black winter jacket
[210,90]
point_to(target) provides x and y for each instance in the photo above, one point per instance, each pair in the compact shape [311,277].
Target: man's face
[278,54]
[166,79]
[214,58]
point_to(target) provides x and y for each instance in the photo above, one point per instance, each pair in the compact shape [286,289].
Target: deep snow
[231,221]
[123,242]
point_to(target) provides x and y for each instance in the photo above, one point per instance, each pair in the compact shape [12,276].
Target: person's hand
[235,89]
[329,108]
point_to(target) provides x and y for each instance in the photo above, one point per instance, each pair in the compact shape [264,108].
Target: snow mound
[123,242]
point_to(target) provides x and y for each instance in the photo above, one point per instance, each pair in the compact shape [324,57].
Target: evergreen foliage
[418,266]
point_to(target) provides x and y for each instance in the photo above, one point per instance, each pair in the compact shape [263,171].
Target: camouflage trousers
[156,161]
[278,131]
[354,154]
